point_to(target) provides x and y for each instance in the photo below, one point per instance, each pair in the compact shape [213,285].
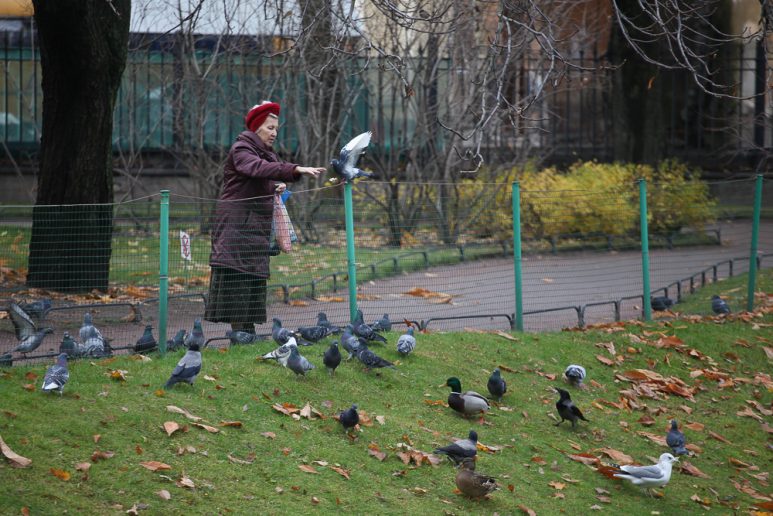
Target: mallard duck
[472,484]
[467,403]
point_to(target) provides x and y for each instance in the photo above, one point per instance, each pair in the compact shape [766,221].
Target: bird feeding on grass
[567,410]
[496,385]
[406,343]
[648,477]
[332,358]
[574,375]
[468,403]
[719,306]
[188,367]
[675,439]
[56,375]
[461,449]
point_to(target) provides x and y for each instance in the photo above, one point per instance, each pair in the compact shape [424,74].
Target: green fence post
[517,255]
[163,272]
[755,240]
[350,259]
[645,250]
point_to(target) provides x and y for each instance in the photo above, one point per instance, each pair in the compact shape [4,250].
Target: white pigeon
[345,165]
[56,375]
[656,475]
[282,353]
[575,374]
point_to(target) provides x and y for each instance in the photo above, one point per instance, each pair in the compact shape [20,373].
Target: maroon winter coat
[242,228]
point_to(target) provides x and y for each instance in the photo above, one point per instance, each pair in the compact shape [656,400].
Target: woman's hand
[311,171]
[280,187]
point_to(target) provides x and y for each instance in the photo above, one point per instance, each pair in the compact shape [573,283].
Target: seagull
[349,342]
[147,342]
[383,324]
[656,475]
[345,165]
[177,341]
[371,360]
[661,303]
[187,368]
[27,334]
[297,363]
[496,385]
[461,449]
[406,343]
[719,305]
[349,417]
[196,336]
[566,409]
[322,321]
[241,337]
[472,483]
[56,375]
[332,358]
[575,374]
[282,353]
[675,440]
[365,331]
[88,330]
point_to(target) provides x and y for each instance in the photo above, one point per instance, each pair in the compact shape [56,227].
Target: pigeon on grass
[364,331]
[675,440]
[322,321]
[241,337]
[719,305]
[351,343]
[497,386]
[383,324]
[188,367]
[648,477]
[346,164]
[332,358]
[406,343]
[371,360]
[196,336]
[566,409]
[661,303]
[313,333]
[56,375]
[297,363]
[574,375]
[27,333]
[349,418]
[461,449]
[282,353]
[177,341]
[147,342]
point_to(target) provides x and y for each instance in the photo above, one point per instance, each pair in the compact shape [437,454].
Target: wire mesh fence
[437,255]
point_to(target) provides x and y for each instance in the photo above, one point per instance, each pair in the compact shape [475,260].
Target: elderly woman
[242,226]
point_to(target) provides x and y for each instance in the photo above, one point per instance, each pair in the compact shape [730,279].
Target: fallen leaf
[557,485]
[341,471]
[314,500]
[178,410]
[377,454]
[96,438]
[28,387]
[526,510]
[657,439]
[164,494]
[186,482]
[585,458]
[234,424]
[83,466]
[617,456]
[210,429]
[269,435]
[646,420]
[689,469]
[307,469]
[101,455]
[698,427]
[237,460]
[604,360]
[718,437]
[118,374]
[171,427]
[381,420]
[60,474]
[154,465]
[16,460]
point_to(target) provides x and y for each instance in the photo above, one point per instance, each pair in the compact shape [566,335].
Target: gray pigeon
[196,336]
[56,375]
[383,324]
[351,343]
[575,374]
[6,360]
[461,449]
[241,337]
[187,368]
[281,335]
[313,333]
[297,363]
[95,344]
[332,358]
[566,409]
[27,334]
[88,330]
[371,360]
[661,303]
[406,343]
[719,305]
[282,353]
[147,342]
[497,385]
[322,321]
[38,310]
[345,165]
[365,331]
[177,341]
[675,440]
[69,347]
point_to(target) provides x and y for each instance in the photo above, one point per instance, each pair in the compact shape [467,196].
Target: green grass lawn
[256,469]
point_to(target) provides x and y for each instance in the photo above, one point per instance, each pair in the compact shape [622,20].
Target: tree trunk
[83,48]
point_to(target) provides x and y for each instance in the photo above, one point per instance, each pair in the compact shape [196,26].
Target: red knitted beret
[258,114]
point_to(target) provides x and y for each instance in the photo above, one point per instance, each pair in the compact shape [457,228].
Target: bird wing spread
[350,153]
[22,322]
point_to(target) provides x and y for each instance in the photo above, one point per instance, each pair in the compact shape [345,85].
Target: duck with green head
[467,403]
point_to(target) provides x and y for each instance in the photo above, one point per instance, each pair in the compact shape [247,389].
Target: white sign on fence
[185,245]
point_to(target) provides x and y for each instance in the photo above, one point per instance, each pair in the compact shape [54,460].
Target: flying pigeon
[661,303]
[719,305]
[187,368]
[332,358]
[69,347]
[575,374]
[566,409]
[282,353]
[496,385]
[363,330]
[371,360]
[297,363]
[196,336]
[177,341]
[675,440]
[6,360]
[37,310]
[351,343]
[406,343]
[241,337]
[349,418]
[322,321]
[56,375]
[649,476]
[88,330]
[147,342]
[345,165]
[313,333]
[461,449]
[383,324]
[27,334]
